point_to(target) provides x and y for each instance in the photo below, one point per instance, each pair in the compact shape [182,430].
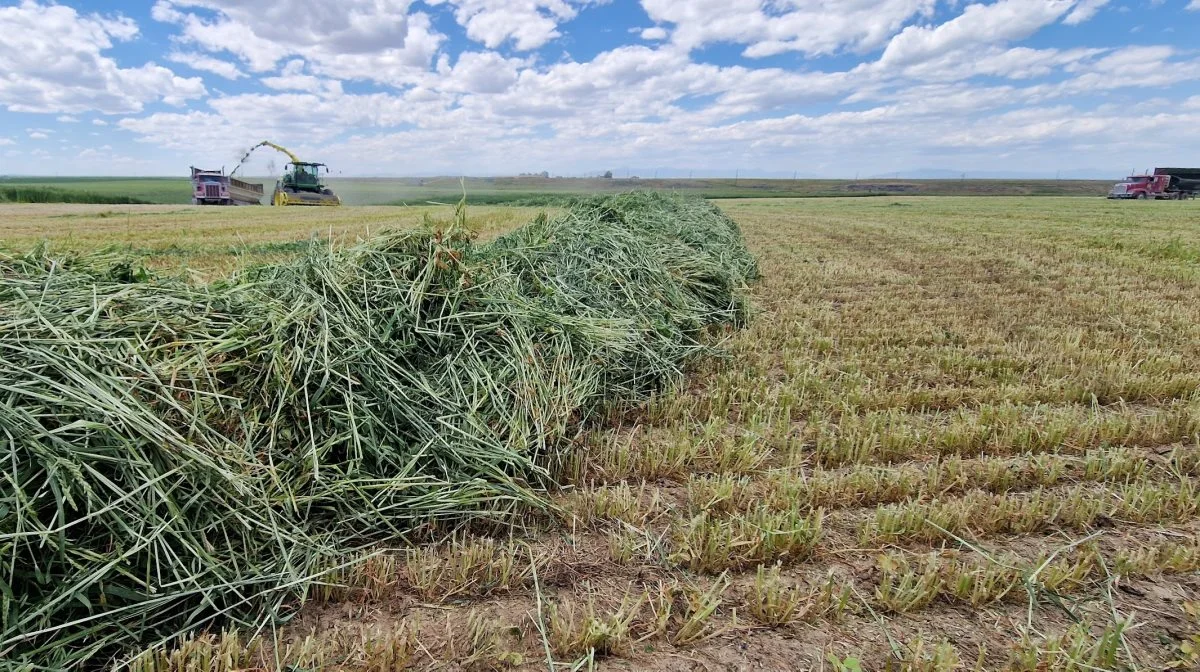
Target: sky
[815,88]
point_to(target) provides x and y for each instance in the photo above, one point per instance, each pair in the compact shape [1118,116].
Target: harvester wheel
[280,198]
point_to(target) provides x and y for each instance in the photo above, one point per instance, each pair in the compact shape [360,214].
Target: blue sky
[832,88]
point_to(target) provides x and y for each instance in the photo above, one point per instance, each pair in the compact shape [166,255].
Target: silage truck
[1163,183]
[214,187]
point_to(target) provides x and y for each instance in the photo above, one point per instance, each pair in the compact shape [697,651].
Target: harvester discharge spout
[300,183]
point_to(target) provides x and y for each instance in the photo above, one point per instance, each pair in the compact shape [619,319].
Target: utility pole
[736,173]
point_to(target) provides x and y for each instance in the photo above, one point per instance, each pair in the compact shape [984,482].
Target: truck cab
[214,187]
[1140,186]
[209,187]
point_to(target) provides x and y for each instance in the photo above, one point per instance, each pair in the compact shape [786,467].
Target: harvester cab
[303,176]
[301,185]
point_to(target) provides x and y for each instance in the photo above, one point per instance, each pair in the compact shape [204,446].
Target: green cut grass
[177,454]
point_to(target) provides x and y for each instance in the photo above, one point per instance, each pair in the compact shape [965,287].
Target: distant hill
[950,174]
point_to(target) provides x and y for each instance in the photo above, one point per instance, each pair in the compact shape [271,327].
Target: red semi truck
[1164,183]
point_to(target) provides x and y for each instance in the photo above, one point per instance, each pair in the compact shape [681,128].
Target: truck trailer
[1162,184]
[214,187]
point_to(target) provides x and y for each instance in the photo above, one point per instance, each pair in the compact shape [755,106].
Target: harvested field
[956,433]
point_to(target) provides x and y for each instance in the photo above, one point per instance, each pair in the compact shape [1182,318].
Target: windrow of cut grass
[175,454]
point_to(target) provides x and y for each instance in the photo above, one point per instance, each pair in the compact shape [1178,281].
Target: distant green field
[545,191]
[143,189]
[35,193]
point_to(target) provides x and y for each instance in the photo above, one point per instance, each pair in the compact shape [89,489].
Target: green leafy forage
[176,455]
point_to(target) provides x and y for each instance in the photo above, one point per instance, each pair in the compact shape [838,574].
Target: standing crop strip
[173,454]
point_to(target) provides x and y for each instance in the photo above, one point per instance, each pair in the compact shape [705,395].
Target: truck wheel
[1141,196]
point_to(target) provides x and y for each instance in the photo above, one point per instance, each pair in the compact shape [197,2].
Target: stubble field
[958,433]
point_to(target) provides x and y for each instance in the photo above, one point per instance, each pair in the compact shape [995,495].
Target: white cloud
[292,78]
[207,64]
[485,112]
[629,99]
[929,89]
[350,26]
[1066,125]
[1011,63]
[6,141]
[104,158]
[99,122]
[297,83]
[812,27]
[353,39]
[67,119]
[1135,67]
[208,133]
[485,99]
[38,135]
[295,120]
[478,72]
[1084,11]
[1194,5]
[529,24]
[978,25]
[51,60]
